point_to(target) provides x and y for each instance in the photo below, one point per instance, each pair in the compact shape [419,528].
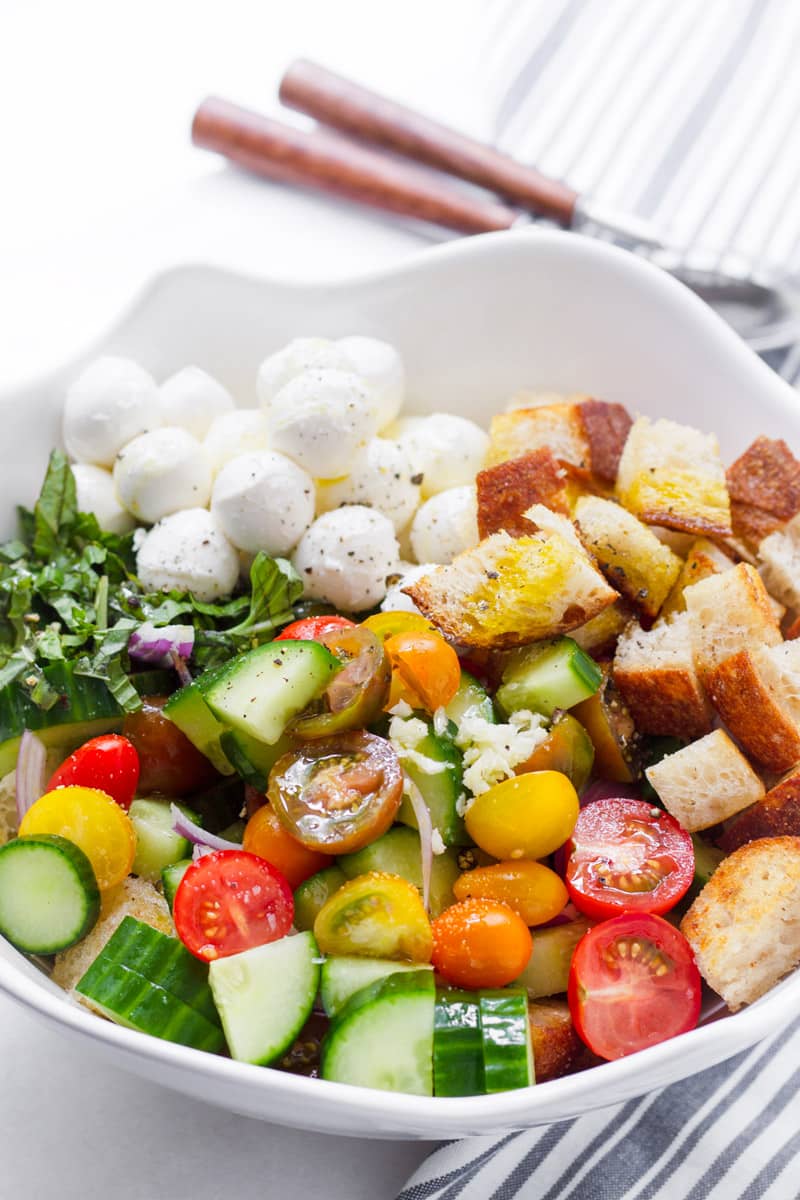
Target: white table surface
[99,190]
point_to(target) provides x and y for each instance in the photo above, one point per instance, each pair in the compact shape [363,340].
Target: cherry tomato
[337,794]
[626,856]
[633,982]
[356,694]
[386,624]
[230,901]
[377,915]
[94,822]
[311,629]
[480,943]
[168,762]
[265,836]
[425,670]
[534,892]
[529,816]
[108,762]
[567,748]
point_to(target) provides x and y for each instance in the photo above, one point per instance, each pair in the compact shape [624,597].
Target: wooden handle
[332,164]
[356,110]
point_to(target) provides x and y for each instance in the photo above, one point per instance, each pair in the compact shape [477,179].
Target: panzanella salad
[393,751]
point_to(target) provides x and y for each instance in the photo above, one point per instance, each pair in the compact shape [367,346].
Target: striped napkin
[687,113]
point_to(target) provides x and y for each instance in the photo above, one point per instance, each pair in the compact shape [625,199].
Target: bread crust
[556,426]
[507,489]
[557,1049]
[606,428]
[777,815]
[767,477]
[667,701]
[752,714]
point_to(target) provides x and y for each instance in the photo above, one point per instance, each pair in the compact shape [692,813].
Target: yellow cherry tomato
[534,892]
[378,916]
[529,816]
[426,667]
[94,822]
[386,624]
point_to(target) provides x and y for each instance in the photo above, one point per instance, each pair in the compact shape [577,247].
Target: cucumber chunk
[260,692]
[147,981]
[251,758]
[315,892]
[547,676]
[547,971]
[471,695]
[187,708]
[506,1037]
[457,1045]
[157,843]
[383,1037]
[171,877]
[343,976]
[49,898]
[264,996]
[441,790]
[398,853]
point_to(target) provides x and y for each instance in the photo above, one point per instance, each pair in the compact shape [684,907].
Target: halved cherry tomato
[377,915]
[529,816]
[567,748]
[626,856]
[480,943]
[108,762]
[230,901]
[356,694]
[311,629]
[534,892]
[633,983]
[425,670]
[94,822]
[386,624]
[265,836]
[337,794]
[168,762]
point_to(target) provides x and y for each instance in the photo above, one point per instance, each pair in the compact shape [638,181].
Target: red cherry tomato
[633,983]
[109,763]
[231,901]
[311,629]
[170,764]
[626,856]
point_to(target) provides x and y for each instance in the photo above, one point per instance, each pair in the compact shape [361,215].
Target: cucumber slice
[251,758]
[457,1045]
[171,877]
[383,1037]
[547,676]
[343,976]
[398,853]
[49,898]
[313,893]
[260,692]
[506,1036]
[440,791]
[547,971]
[188,710]
[147,981]
[264,996]
[471,695]
[157,843]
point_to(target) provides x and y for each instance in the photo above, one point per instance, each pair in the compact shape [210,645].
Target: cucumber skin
[251,759]
[457,1045]
[339,974]
[545,678]
[470,695]
[171,877]
[84,877]
[187,708]
[504,1013]
[398,852]
[440,792]
[313,893]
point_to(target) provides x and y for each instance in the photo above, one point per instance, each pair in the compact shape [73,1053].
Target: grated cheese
[406,735]
[437,844]
[491,752]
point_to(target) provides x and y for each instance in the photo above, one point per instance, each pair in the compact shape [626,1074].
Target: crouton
[764,487]
[777,815]
[557,1049]
[598,637]
[779,563]
[744,927]
[728,613]
[679,543]
[705,782]
[606,428]
[508,592]
[750,696]
[544,520]
[506,490]
[672,475]
[703,558]
[655,674]
[558,427]
[628,553]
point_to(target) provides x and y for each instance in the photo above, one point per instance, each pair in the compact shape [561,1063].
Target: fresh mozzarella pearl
[192,399]
[380,477]
[161,472]
[320,420]
[233,434]
[396,600]
[301,354]
[263,501]
[189,552]
[445,525]
[380,368]
[111,401]
[97,494]
[346,557]
[447,451]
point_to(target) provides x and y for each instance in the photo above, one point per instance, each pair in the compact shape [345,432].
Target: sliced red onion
[193,833]
[156,646]
[30,776]
[199,851]
[181,669]
[422,813]
[604,789]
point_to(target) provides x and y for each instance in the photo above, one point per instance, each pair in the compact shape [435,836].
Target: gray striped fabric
[686,112]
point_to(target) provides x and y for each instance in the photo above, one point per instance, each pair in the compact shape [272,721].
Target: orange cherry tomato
[266,837]
[425,669]
[534,892]
[94,822]
[480,943]
[386,624]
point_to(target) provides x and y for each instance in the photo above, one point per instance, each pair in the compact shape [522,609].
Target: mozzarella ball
[445,525]
[396,600]
[346,557]
[380,368]
[192,399]
[447,451]
[301,354]
[233,434]
[263,501]
[111,401]
[96,494]
[189,552]
[320,420]
[380,478]
[162,472]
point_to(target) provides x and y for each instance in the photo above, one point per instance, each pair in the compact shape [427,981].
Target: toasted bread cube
[526,398]
[557,427]
[544,520]
[764,487]
[511,591]
[557,1049]
[672,475]
[779,563]
[728,613]
[705,782]
[777,815]
[506,490]
[598,637]
[655,674]
[628,553]
[606,428]
[751,694]
[744,927]
[703,558]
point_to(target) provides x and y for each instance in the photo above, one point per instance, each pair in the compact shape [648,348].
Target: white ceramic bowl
[475,320]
